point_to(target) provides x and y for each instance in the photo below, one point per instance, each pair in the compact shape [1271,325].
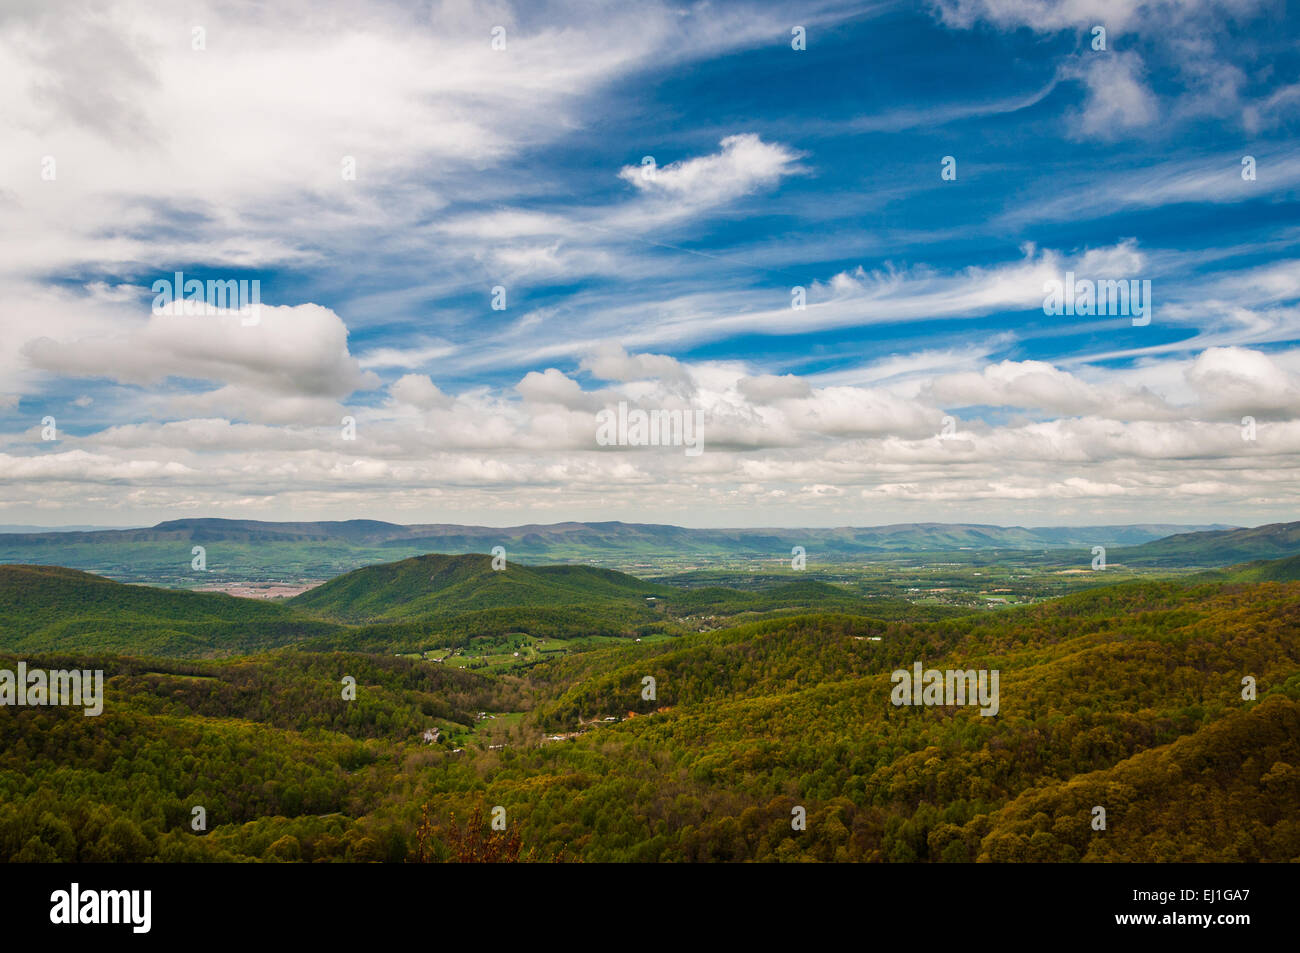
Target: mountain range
[251,550]
[618,536]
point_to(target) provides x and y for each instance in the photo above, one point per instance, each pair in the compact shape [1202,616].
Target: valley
[675,717]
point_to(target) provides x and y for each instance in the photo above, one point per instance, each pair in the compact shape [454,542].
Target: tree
[468,843]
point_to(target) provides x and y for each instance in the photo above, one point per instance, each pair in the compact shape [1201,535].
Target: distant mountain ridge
[898,537]
[257,551]
[1222,548]
[74,528]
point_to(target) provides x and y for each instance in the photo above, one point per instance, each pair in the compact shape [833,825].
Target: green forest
[770,737]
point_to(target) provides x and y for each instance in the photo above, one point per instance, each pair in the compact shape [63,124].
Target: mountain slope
[797,711]
[44,608]
[1265,570]
[464,592]
[1239,806]
[436,585]
[412,605]
[1215,548]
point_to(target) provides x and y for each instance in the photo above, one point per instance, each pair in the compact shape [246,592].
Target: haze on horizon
[37,528]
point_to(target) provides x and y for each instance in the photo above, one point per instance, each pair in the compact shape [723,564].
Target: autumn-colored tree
[473,842]
[470,843]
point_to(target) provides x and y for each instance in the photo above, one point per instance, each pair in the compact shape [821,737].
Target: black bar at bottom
[908,903]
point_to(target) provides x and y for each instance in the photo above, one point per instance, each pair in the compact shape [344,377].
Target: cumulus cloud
[554,387]
[817,452]
[1235,379]
[611,362]
[419,391]
[1020,384]
[295,356]
[766,388]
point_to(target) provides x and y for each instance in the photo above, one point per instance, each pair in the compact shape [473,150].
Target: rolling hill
[435,585]
[407,606]
[1264,570]
[1127,697]
[437,600]
[44,608]
[1215,548]
[438,585]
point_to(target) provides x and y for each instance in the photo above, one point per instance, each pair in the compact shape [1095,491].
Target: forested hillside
[1264,570]
[1228,793]
[1215,547]
[1128,698]
[432,585]
[410,606]
[437,600]
[46,607]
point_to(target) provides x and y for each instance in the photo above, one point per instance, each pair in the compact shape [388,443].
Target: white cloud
[1185,40]
[819,456]
[280,95]
[744,163]
[1042,15]
[1216,179]
[1022,384]
[554,387]
[1236,379]
[294,362]
[1118,99]
[417,356]
[612,363]
[416,390]
[767,388]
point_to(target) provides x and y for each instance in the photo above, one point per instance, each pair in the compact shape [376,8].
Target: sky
[827,232]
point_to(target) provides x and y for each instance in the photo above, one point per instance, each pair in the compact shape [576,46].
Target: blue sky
[211,141]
